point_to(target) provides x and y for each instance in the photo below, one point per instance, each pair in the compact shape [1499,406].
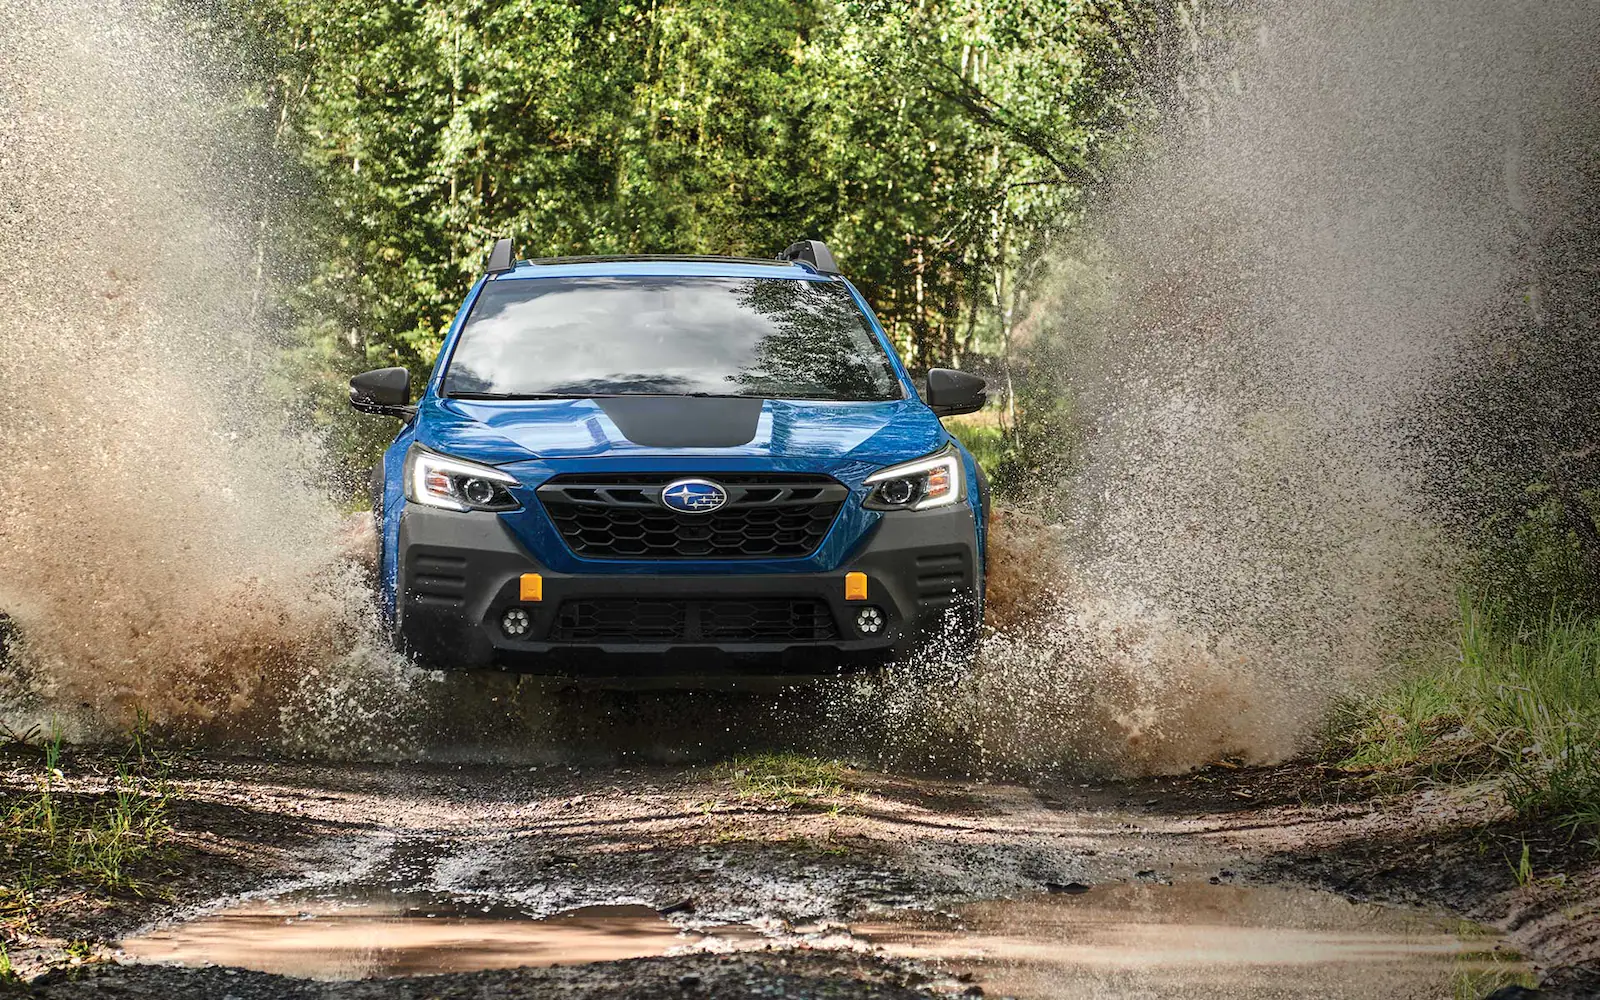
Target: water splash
[163,542]
[1248,345]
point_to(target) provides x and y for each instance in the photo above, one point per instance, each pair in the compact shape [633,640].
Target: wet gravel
[547,838]
[787,974]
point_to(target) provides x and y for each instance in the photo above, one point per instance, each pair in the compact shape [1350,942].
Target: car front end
[813,517]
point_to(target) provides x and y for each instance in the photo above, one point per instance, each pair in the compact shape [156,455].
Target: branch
[1043,182]
[1129,52]
[988,112]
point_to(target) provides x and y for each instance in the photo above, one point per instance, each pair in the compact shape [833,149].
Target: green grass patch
[62,840]
[791,778]
[1479,974]
[1520,706]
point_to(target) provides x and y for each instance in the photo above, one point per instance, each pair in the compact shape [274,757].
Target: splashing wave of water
[1250,336]
[162,544]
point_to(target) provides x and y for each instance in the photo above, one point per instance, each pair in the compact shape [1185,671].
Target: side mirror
[950,392]
[386,391]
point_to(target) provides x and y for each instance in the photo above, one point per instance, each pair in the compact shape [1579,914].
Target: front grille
[767,516]
[643,620]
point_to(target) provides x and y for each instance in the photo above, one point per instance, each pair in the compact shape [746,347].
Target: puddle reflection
[1202,940]
[404,937]
[1123,941]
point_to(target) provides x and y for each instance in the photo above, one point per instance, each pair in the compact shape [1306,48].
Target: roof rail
[665,257]
[502,258]
[813,252]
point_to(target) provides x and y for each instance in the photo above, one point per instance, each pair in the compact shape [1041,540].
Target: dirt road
[781,874]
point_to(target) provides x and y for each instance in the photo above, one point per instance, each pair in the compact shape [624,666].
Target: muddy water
[1185,940]
[404,935]
[1202,940]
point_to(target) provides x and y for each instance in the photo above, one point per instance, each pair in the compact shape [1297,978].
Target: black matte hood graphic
[684,421]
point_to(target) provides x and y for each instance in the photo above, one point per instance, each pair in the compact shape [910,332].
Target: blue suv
[716,462]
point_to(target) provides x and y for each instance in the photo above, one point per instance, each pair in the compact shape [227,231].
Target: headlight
[934,481]
[437,480]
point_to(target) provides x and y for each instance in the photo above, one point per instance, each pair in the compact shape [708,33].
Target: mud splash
[164,544]
[1242,358]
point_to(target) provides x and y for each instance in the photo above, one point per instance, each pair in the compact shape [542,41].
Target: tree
[936,146]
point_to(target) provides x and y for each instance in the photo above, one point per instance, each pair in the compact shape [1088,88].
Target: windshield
[772,337]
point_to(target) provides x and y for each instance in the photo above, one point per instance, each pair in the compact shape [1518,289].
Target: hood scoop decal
[684,421]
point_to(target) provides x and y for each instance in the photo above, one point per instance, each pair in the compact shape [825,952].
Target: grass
[1522,871]
[66,843]
[984,437]
[1520,707]
[1479,974]
[788,778]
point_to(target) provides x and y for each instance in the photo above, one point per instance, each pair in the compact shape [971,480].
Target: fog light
[869,620]
[515,622]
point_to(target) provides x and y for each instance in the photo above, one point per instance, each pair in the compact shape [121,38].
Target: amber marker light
[532,588]
[855,586]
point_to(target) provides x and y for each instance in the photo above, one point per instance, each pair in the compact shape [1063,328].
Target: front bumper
[460,572]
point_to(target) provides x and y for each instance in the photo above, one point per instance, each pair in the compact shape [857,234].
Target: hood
[500,432]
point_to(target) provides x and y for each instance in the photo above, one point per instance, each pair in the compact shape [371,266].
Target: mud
[1186,939]
[884,887]
[1201,940]
[401,935]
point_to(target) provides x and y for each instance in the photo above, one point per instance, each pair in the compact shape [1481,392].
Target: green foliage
[1521,707]
[938,147]
[1535,559]
[984,437]
[1522,871]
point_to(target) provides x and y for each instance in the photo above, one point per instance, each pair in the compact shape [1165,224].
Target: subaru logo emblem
[693,496]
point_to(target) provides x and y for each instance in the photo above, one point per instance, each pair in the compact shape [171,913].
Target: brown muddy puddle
[1123,940]
[402,935]
[1203,940]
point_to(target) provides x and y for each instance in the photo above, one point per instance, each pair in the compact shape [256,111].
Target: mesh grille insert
[767,516]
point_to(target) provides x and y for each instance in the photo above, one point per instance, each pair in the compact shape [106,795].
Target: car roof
[660,265]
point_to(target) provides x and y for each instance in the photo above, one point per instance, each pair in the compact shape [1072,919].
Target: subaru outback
[642,467]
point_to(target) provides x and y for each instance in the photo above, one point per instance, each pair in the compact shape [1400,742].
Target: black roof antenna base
[813,252]
[502,258]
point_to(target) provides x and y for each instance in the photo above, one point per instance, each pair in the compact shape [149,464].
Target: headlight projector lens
[898,491]
[515,622]
[478,491]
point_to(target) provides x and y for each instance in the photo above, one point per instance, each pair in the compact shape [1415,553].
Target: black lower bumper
[460,573]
